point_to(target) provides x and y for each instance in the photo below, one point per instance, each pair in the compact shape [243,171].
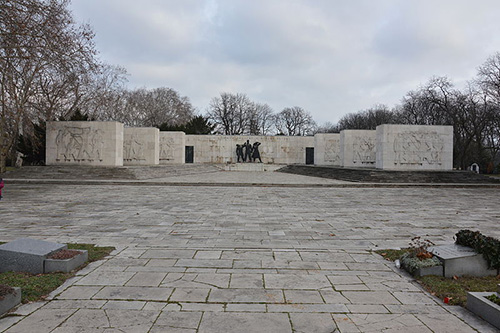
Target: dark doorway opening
[189,154]
[309,155]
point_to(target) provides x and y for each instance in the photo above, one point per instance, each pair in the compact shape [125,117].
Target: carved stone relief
[133,149]
[167,146]
[363,150]
[76,144]
[418,148]
[332,151]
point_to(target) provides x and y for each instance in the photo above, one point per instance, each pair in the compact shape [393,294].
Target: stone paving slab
[266,259]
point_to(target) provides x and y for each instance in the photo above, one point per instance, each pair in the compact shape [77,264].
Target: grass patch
[456,288]
[95,252]
[392,255]
[34,287]
[494,298]
[37,287]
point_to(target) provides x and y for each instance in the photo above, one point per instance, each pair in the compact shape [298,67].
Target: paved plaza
[286,255]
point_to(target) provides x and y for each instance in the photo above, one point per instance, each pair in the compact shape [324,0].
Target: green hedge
[489,247]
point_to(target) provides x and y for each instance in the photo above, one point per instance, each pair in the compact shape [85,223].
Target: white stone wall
[358,148]
[327,149]
[414,147]
[391,147]
[273,149]
[141,146]
[172,147]
[84,143]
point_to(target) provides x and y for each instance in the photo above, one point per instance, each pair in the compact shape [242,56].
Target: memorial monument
[392,147]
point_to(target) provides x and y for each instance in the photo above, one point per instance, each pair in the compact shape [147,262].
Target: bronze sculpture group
[248,152]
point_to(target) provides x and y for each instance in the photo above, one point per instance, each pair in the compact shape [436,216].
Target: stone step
[75,172]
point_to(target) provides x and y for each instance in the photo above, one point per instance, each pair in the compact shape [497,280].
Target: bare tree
[230,113]
[328,127]
[295,121]
[106,94]
[489,77]
[260,119]
[38,39]
[431,104]
[368,119]
[155,107]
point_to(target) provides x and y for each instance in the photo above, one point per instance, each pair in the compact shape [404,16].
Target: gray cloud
[329,57]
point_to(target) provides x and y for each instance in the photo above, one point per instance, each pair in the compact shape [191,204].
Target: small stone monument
[461,260]
[26,255]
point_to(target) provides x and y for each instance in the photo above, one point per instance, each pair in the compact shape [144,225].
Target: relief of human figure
[166,152]
[132,148]
[332,151]
[73,143]
[97,144]
[84,147]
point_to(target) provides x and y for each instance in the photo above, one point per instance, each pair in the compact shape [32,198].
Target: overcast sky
[328,57]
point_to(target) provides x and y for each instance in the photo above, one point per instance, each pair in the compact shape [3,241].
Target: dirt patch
[64,254]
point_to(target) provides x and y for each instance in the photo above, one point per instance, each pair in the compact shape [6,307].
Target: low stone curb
[484,308]
[9,301]
[65,265]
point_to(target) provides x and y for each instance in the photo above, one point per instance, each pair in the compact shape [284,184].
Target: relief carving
[77,144]
[418,148]
[167,148]
[363,150]
[332,151]
[133,148]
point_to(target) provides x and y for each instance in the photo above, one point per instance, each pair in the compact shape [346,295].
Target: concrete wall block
[358,148]
[84,143]
[172,147]
[327,149]
[414,147]
[141,146]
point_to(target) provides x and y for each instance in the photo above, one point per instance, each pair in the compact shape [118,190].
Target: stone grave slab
[461,260]
[26,255]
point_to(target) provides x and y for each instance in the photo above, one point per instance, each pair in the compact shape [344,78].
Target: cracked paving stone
[215,322]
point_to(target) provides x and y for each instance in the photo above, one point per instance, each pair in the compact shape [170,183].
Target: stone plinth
[84,143]
[327,149]
[172,147]
[414,147]
[461,260]
[358,148]
[26,255]
[141,146]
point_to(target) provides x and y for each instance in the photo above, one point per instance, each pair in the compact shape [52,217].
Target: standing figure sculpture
[256,153]
[248,151]
[239,153]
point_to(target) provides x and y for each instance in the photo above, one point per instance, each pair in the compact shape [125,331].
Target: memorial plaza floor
[258,252]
